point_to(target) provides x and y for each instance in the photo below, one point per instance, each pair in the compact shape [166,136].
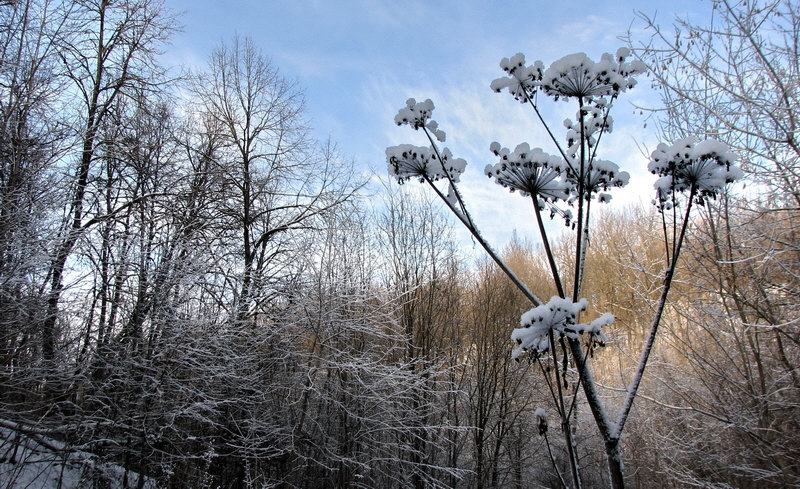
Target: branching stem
[670,273]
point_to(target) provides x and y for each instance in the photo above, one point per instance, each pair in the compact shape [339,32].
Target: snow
[531,172]
[407,162]
[418,115]
[574,75]
[560,316]
[521,79]
[604,175]
[689,164]
[30,460]
[595,119]
[541,420]
[415,114]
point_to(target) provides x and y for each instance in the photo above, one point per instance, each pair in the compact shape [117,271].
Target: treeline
[193,288]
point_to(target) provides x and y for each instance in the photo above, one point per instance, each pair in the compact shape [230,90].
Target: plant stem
[581,185]
[670,273]
[553,460]
[546,242]
[477,235]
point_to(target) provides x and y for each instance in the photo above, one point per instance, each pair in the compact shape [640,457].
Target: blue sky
[359,60]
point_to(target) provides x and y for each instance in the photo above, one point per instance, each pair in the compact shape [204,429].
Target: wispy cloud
[359,60]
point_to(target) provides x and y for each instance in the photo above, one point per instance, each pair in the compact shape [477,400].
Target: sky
[359,60]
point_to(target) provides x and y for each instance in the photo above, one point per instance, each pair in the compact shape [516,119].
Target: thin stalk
[550,133]
[674,224]
[565,425]
[477,235]
[560,399]
[581,184]
[465,218]
[450,180]
[602,129]
[549,383]
[553,460]
[546,242]
[577,387]
[582,258]
[670,273]
[666,236]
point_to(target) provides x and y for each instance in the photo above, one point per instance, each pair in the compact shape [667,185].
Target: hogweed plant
[565,184]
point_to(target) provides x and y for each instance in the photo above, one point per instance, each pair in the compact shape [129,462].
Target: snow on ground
[32,461]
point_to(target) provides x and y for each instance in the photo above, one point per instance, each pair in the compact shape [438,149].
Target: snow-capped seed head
[521,81]
[529,171]
[590,120]
[433,127]
[560,316]
[576,75]
[415,114]
[406,162]
[689,165]
[602,176]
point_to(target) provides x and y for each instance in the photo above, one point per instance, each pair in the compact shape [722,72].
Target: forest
[196,293]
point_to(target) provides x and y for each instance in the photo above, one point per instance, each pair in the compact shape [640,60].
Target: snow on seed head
[406,162]
[560,316]
[521,81]
[576,75]
[529,171]
[415,114]
[690,165]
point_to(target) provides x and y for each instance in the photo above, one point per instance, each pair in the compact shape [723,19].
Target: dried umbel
[702,168]
[418,115]
[576,75]
[572,76]
[407,162]
[559,315]
[531,172]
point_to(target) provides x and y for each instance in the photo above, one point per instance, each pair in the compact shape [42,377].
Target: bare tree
[276,183]
[500,402]
[32,139]
[108,52]
[421,272]
[737,79]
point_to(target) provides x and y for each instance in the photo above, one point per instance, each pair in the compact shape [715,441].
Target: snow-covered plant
[533,173]
[559,315]
[417,115]
[576,75]
[567,182]
[541,420]
[701,168]
[407,162]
